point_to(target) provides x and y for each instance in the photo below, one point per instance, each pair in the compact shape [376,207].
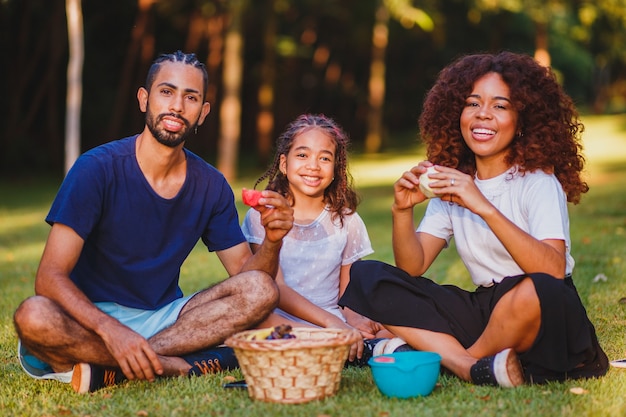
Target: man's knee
[32,315]
[260,289]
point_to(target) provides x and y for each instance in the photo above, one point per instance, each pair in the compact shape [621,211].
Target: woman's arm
[547,255]
[531,254]
[413,252]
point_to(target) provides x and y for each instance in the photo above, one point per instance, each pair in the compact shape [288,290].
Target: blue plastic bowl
[406,374]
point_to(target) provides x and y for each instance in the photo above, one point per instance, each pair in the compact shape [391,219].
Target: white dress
[312,255]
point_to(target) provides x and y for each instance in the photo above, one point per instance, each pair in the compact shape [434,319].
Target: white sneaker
[37,369]
[386,346]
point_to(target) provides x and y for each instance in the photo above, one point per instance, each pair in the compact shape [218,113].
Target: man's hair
[178,56]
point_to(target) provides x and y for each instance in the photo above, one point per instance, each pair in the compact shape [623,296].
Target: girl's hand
[367,327]
[356,349]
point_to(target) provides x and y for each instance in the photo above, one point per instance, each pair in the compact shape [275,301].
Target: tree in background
[265,97]
[139,54]
[74,82]
[230,106]
[403,11]
[321,61]
[33,44]
[542,12]
[380,39]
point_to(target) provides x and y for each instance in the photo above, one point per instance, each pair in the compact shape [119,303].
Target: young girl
[504,140]
[310,169]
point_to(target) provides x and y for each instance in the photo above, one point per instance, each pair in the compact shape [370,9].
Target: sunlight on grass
[25,252]
[381,169]
[22,238]
[604,139]
[20,220]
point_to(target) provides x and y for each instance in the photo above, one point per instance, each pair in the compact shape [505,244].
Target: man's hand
[133,353]
[276,215]
[277,219]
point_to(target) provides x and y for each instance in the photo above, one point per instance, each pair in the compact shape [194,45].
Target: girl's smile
[310,164]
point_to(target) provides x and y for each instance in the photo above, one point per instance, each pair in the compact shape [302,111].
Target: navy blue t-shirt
[135,240]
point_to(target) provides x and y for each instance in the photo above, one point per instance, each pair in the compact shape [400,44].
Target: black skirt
[566,337]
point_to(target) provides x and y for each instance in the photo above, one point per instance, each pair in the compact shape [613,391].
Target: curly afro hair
[547,119]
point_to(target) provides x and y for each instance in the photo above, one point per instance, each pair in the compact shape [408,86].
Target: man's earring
[196,130]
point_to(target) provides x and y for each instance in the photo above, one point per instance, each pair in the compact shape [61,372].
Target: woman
[504,140]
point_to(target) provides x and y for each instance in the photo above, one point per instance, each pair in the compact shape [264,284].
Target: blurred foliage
[322,51]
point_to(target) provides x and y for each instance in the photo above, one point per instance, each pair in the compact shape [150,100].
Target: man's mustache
[175,116]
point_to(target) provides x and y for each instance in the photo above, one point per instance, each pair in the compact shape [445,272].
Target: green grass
[598,228]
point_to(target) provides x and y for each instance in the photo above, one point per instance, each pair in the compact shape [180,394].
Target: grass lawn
[598,229]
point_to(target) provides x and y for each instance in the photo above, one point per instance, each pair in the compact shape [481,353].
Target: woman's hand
[449,184]
[454,186]
[406,191]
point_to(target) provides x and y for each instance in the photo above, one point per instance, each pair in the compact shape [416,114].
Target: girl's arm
[297,305]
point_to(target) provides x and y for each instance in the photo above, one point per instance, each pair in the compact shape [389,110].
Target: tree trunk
[141,38]
[230,109]
[265,97]
[541,43]
[74,81]
[58,50]
[215,32]
[38,59]
[380,39]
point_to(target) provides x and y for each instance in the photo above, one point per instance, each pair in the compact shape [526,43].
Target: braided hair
[178,56]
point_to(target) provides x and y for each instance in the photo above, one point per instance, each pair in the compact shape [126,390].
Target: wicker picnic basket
[305,368]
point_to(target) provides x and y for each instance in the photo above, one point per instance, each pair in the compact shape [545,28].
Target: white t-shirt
[535,202]
[312,254]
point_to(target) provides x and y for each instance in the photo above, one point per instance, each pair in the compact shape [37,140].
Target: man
[107,304]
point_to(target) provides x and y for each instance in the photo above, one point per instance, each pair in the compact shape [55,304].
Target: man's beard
[163,136]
